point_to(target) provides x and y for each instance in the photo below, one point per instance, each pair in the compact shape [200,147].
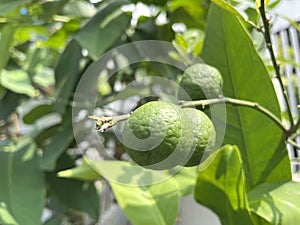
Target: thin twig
[103,123]
[273,58]
[236,102]
[294,128]
[293,143]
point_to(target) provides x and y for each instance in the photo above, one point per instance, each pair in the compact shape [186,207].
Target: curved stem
[267,37]
[236,102]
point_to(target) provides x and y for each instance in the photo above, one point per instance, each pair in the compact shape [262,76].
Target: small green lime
[158,135]
[204,135]
[161,135]
[200,81]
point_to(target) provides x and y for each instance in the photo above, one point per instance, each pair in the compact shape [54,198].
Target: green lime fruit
[160,135]
[200,81]
[204,135]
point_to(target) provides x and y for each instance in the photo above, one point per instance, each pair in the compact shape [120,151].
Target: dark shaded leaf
[37,112]
[9,102]
[59,143]
[103,29]
[71,193]
[66,75]
[22,182]
[7,5]
[7,34]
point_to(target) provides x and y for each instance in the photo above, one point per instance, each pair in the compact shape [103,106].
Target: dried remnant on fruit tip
[200,81]
[102,123]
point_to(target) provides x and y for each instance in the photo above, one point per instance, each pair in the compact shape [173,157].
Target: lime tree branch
[294,128]
[267,37]
[236,102]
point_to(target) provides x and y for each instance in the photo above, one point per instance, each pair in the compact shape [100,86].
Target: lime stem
[269,45]
[236,102]
[103,123]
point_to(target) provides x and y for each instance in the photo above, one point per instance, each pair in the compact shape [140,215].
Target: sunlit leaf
[261,142]
[82,172]
[159,201]
[79,9]
[278,203]
[18,81]
[5,216]
[186,180]
[221,187]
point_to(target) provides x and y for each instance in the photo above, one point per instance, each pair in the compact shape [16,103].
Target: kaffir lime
[161,135]
[201,81]
[204,135]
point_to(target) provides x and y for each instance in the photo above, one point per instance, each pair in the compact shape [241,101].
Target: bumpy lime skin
[201,81]
[171,132]
[204,135]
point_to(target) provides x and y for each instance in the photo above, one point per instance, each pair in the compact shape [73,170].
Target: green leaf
[159,201]
[59,39]
[74,194]
[181,41]
[220,186]
[18,81]
[103,29]
[37,112]
[156,204]
[59,143]
[67,74]
[7,5]
[54,220]
[229,48]
[79,9]
[186,180]
[6,37]
[5,216]
[82,172]
[22,182]
[26,33]
[192,13]
[278,203]
[8,103]
[225,5]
